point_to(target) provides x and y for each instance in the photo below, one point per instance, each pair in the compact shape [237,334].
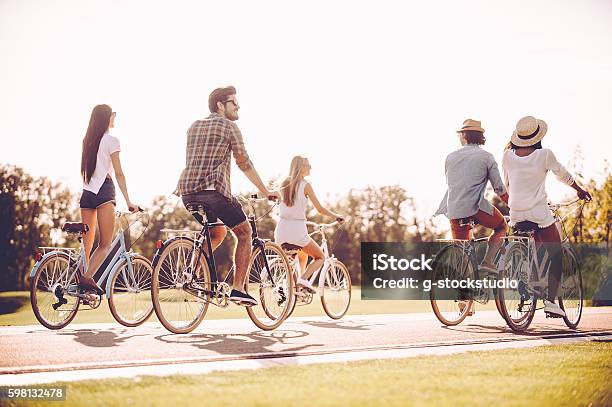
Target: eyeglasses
[232,101]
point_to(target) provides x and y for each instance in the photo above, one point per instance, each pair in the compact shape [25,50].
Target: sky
[371,92]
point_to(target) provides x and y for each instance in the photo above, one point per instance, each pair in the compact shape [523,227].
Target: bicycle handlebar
[322,225]
[554,207]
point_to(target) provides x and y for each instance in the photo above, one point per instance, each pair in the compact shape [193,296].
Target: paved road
[33,351]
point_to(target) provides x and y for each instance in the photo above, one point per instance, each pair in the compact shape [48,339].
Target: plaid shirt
[210,143]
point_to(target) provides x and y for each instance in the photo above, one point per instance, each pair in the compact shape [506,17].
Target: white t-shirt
[104,166]
[525,176]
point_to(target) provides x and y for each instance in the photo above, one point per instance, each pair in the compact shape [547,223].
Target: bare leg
[500,229]
[242,254]
[106,224]
[88,217]
[313,250]
[303,259]
[217,235]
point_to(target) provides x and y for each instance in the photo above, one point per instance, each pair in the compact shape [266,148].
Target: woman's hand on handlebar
[582,194]
[134,208]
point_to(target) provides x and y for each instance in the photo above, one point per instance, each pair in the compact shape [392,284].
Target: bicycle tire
[571,270]
[449,311]
[275,300]
[42,292]
[130,298]
[167,292]
[513,302]
[345,287]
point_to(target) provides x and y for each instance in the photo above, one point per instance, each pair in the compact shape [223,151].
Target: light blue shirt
[467,171]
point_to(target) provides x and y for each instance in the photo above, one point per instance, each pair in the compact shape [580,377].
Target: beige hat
[470,124]
[528,132]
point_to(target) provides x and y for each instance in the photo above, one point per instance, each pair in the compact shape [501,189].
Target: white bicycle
[334,280]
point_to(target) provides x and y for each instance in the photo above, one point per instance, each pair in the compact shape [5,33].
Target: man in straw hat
[525,166]
[468,170]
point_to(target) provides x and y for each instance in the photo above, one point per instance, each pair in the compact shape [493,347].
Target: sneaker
[553,309]
[463,304]
[243,299]
[302,282]
[89,284]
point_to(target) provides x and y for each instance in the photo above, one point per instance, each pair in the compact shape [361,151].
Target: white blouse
[104,166]
[525,177]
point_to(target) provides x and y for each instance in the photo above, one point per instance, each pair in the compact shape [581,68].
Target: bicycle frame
[118,252]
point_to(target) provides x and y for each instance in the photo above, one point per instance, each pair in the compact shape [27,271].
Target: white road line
[208,367]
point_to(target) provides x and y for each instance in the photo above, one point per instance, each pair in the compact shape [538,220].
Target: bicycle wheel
[53,307]
[517,305]
[451,306]
[571,298]
[336,295]
[273,286]
[180,311]
[130,292]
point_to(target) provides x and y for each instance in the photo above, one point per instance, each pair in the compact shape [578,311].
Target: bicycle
[55,295]
[185,278]
[523,264]
[334,280]
[457,261]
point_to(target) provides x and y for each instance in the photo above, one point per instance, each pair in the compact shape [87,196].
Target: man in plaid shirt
[205,180]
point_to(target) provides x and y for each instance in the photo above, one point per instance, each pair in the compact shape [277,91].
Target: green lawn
[563,375]
[15,309]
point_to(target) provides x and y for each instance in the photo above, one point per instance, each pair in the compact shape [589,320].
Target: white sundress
[291,227]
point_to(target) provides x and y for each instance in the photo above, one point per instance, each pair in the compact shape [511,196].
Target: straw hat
[529,131]
[470,124]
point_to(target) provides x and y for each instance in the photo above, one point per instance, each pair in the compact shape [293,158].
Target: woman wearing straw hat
[525,166]
[468,170]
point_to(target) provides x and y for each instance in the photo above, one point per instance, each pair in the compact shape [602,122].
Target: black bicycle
[185,278]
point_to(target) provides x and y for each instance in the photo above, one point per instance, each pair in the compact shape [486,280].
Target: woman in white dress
[525,166]
[295,192]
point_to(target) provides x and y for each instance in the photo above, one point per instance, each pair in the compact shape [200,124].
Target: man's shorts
[106,194]
[217,206]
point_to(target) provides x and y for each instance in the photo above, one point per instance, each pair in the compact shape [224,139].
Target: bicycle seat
[75,227]
[525,227]
[289,247]
[469,221]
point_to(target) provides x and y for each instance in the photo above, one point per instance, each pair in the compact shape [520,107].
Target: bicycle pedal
[550,315]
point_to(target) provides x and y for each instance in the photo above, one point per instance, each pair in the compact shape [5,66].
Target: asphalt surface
[36,351]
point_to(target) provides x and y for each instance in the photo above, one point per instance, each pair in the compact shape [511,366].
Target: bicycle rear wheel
[271,285]
[336,295]
[517,305]
[571,298]
[177,308]
[53,307]
[130,292]
[451,306]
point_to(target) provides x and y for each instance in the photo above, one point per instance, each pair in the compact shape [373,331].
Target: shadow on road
[531,332]
[96,338]
[340,325]
[230,344]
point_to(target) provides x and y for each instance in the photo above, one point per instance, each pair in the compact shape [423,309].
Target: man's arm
[244,162]
[496,181]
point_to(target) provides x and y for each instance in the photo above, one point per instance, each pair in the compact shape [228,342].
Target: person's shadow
[97,338]
[259,342]
[340,325]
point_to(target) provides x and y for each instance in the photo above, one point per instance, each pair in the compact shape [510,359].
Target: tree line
[33,209]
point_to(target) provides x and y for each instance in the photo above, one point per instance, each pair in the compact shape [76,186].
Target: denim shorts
[106,194]
[217,206]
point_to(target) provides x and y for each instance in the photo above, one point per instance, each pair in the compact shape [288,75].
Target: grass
[15,309]
[562,375]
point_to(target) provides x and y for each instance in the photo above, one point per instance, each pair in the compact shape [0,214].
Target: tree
[31,211]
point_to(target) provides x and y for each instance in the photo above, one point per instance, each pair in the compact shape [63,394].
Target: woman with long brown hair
[99,160]
[295,192]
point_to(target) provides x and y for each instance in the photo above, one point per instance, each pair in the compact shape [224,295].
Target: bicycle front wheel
[451,306]
[179,309]
[270,281]
[571,298]
[517,305]
[336,295]
[130,292]
[52,303]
